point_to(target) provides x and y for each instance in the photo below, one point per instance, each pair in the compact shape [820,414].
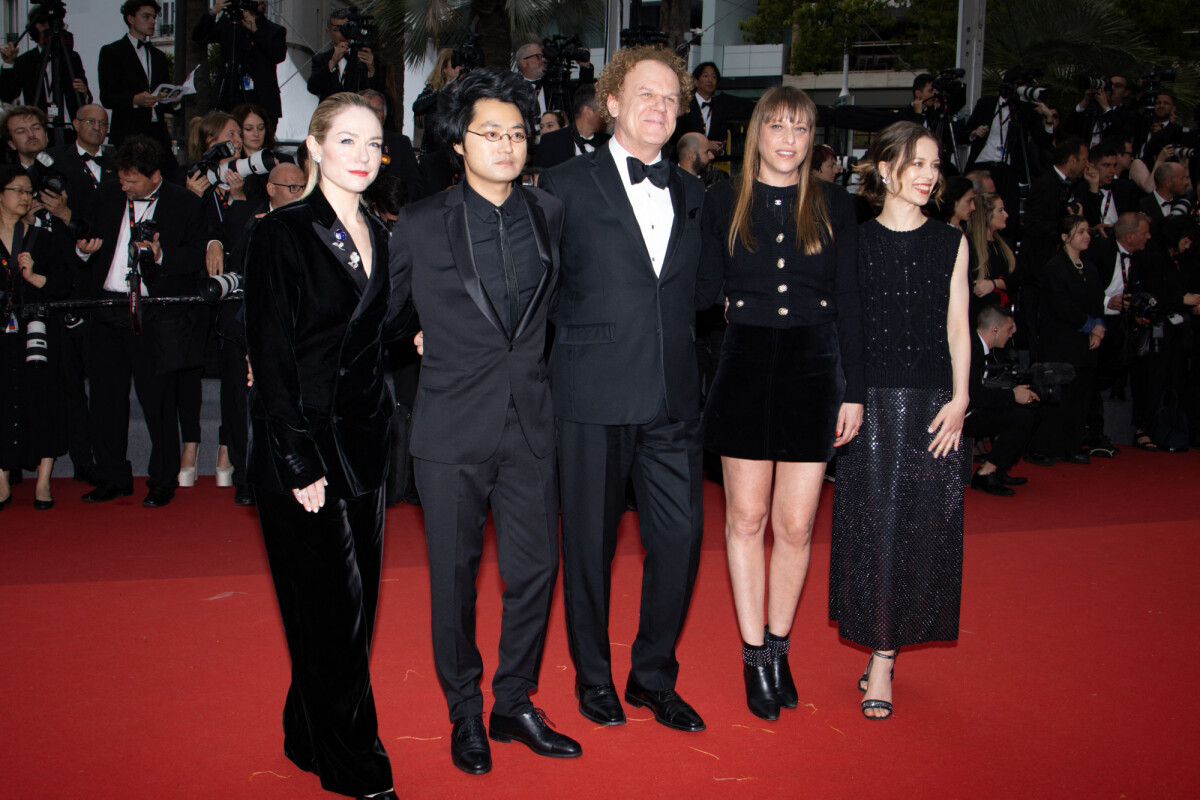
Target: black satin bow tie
[659,172]
[140,44]
[97,160]
[704,104]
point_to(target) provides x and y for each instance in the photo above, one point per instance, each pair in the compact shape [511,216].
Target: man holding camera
[1001,414]
[160,218]
[251,47]
[335,69]
[25,74]
[24,130]
[585,135]
[1105,111]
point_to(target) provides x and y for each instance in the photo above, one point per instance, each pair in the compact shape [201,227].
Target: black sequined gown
[895,574]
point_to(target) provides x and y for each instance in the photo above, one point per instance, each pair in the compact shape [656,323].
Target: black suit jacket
[257,52]
[402,162]
[320,405]
[1068,297]
[725,109]
[121,77]
[25,77]
[1048,201]
[984,113]
[984,396]
[1123,197]
[559,146]
[81,186]
[323,81]
[625,338]
[471,367]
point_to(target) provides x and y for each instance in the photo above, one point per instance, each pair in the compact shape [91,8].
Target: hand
[1025,395]
[156,248]
[339,52]
[849,420]
[1102,99]
[312,497]
[237,184]
[249,373]
[980,131]
[79,86]
[56,204]
[715,147]
[1075,208]
[1094,340]
[9,53]
[419,341]
[1092,176]
[1191,299]
[1164,155]
[198,184]
[88,246]
[1118,302]
[249,21]
[25,262]
[983,287]
[947,428]
[727,310]
[145,99]
[367,57]
[214,259]
[218,7]
[1087,98]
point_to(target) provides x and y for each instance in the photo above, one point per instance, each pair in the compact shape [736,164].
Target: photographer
[24,130]
[1052,197]
[1168,198]
[251,47]
[168,261]
[1003,415]
[531,64]
[1101,198]
[30,75]
[1106,110]
[348,63]
[584,135]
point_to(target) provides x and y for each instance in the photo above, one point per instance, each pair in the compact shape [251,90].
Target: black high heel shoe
[862,687]
[760,688]
[781,674]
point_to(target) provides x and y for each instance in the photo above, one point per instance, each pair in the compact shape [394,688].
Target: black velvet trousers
[231,344]
[1011,426]
[326,568]
[663,457]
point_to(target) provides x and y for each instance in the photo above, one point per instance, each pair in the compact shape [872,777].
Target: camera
[56,10]
[44,175]
[949,91]
[468,55]
[260,163]
[561,52]
[218,287]
[1087,84]
[37,350]
[1152,81]
[1144,305]
[360,31]
[1020,85]
[235,8]
[140,253]
[210,162]
[1045,379]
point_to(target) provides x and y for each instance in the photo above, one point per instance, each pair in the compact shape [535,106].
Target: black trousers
[1010,428]
[1060,426]
[116,356]
[231,344]
[76,344]
[663,457]
[523,493]
[326,569]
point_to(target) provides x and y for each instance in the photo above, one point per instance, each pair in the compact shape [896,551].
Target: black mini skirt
[776,394]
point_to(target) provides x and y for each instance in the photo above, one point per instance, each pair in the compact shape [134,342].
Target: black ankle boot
[760,691]
[781,674]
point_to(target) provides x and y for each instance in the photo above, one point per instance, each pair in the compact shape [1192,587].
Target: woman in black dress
[789,386]
[896,561]
[33,269]
[994,280]
[316,298]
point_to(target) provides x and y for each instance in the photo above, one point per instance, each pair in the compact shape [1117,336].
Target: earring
[886,181]
[316,159]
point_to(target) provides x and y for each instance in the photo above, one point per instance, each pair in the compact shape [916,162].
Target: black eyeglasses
[294,188]
[516,137]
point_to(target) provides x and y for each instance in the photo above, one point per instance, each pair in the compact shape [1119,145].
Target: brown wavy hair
[612,79]
[813,228]
[895,145]
[203,131]
[977,230]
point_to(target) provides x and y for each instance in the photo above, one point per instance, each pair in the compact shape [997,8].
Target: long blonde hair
[437,76]
[813,227]
[977,230]
[320,123]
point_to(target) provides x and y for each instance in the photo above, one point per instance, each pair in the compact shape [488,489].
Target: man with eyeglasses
[531,64]
[84,163]
[25,130]
[480,263]
[1105,112]
[333,72]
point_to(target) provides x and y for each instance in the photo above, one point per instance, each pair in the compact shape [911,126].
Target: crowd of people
[602,315]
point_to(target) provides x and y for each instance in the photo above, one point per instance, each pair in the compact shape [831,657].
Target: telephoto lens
[36,350]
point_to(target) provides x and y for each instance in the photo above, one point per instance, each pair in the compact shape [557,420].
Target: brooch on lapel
[355,260]
[339,239]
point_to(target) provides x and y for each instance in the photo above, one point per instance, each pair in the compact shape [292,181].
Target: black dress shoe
[158,497]
[530,729]
[1076,458]
[243,497]
[43,505]
[1039,460]
[669,708]
[1009,480]
[760,691]
[600,704]
[469,748]
[390,794]
[105,492]
[991,484]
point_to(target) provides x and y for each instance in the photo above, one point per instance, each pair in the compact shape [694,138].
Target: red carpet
[142,657]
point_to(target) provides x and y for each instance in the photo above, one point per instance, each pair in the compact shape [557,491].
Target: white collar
[986,349]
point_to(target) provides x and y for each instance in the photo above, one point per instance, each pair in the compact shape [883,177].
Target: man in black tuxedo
[23,75]
[257,45]
[118,352]
[1101,196]
[84,162]
[625,382]
[1168,198]
[479,261]
[712,113]
[130,69]
[1106,112]
[1001,414]
[585,135]
[332,72]
[1051,197]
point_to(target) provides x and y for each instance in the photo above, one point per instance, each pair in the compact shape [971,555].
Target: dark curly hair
[141,153]
[456,103]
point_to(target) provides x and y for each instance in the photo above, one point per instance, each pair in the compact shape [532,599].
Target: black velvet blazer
[319,405]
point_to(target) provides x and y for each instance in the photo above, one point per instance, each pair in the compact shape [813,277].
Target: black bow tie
[140,44]
[97,160]
[704,104]
[659,172]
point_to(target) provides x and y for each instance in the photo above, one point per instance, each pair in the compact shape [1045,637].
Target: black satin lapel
[612,187]
[541,235]
[379,273]
[678,198]
[464,260]
[342,254]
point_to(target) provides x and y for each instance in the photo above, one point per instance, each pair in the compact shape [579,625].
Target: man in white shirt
[531,63]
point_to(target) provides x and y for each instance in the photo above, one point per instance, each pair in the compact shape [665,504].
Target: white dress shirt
[651,205]
[92,166]
[118,270]
[997,136]
[1116,287]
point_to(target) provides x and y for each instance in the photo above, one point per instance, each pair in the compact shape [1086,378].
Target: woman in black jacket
[316,298]
[789,386]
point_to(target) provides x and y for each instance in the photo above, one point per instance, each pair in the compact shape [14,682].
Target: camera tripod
[54,92]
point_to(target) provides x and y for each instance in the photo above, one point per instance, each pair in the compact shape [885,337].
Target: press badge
[247,83]
[52,112]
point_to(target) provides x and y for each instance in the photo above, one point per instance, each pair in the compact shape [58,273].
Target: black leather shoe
[991,484]
[469,748]
[600,704]
[158,497]
[243,497]
[760,692]
[1039,460]
[1009,480]
[390,794]
[669,708]
[530,729]
[781,673]
[105,492]
[1076,458]
[43,505]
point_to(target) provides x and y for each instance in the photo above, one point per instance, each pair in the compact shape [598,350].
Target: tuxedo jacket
[985,396]
[320,405]
[1049,197]
[625,338]
[558,146]
[121,76]
[725,109]
[323,81]
[258,52]
[81,184]
[1124,196]
[471,365]
[25,77]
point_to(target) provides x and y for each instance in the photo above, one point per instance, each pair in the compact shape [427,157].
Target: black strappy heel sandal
[862,687]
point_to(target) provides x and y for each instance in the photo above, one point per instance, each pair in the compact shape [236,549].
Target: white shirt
[92,166]
[705,112]
[1116,286]
[651,205]
[1108,208]
[1165,205]
[541,97]
[118,271]
[997,136]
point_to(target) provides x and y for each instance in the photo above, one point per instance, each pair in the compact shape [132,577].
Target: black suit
[1123,196]
[483,428]
[1049,199]
[996,413]
[122,75]
[81,181]
[257,52]
[25,78]
[725,109]
[627,398]
[325,81]
[320,407]
[164,346]
[559,146]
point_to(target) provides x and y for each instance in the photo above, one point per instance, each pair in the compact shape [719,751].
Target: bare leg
[223,461]
[42,490]
[793,509]
[747,493]
[187,458]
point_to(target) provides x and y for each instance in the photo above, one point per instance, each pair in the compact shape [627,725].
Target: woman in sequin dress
[896,561]
[789,385]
